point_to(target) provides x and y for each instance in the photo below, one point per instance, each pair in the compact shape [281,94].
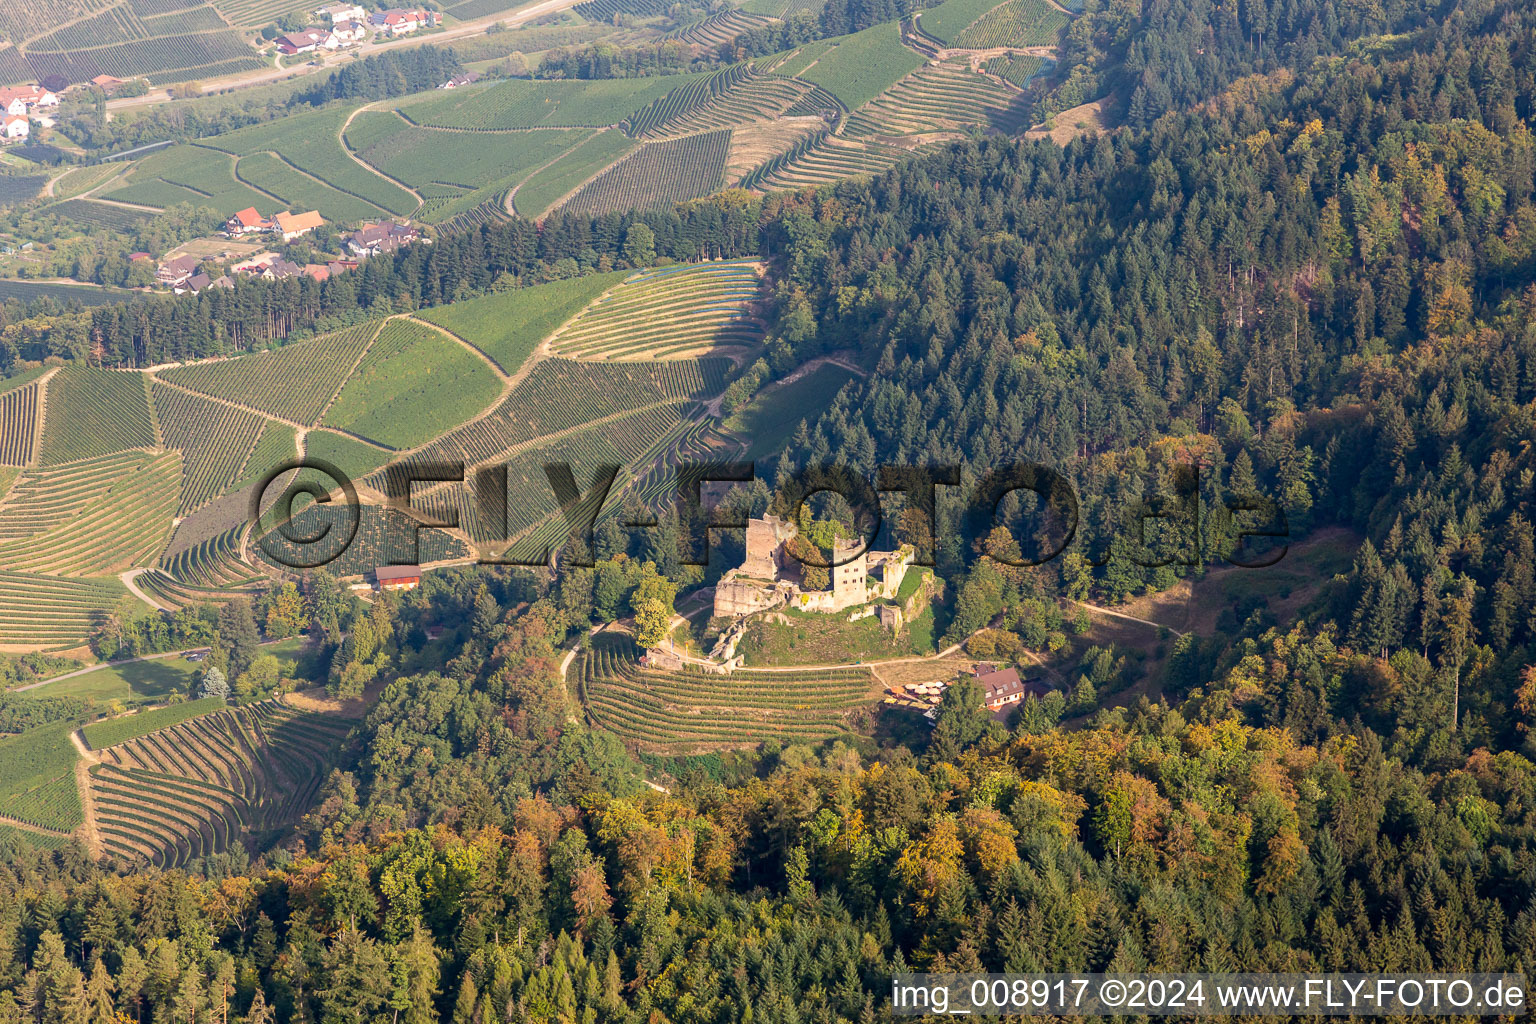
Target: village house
[14,128]
[337,13]
[177,271]
[106,83]
[294,225]
[349,33]
[254,265]
[317,272]
[245,222]
[307,41]
[1001,689]
[193,284]
[398,21]
[24,99]
[386,236]
[397,577]
[467,78]
[281,268]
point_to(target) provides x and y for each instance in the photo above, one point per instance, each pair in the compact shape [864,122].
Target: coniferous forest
[1306,262]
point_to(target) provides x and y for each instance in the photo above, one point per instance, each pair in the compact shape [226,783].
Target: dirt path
[88,830]
[1129,618]
[128,579]
[233,405]
[341,137]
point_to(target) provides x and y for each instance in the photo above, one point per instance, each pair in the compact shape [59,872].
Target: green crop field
[86,295]
[352,457]
[1018,69]
[293,382]
[508,326]
[671,312]
[414,384]
[95,412]
[193,788]
[166,58]
[37,777]
[191,174]
[657,175]
[18,424]
[300,191]
[137,680]
[215,440]
[276,446]
[863,65]
[672,711]
[113,731]
[126,526]
[535,196]
[945,21]
[540,104]
[416,155]
[44,497]
[1015,23]
[311,142]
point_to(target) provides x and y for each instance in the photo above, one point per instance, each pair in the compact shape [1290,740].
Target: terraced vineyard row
[95,412]
[41,499]
[127,526]
[213,564]
[214,439]
[657,175]
[146,57]
[753,97]
[677,104]
[661,710]
[829,159]
[719,29]
[293,382]
[53,610]
[561,395]
[18,424]
[675,312]
[1017,68]
[1015,23]
[941,97]
[201,786]
[383,537]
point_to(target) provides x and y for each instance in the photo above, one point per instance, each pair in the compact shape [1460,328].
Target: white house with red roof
[14,128]
[245,222]
[398,21]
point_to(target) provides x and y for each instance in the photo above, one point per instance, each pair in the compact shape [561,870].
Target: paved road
[512,19]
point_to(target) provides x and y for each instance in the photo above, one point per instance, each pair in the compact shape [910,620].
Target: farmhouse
[14,127]
[246,221]
[307,41]
[194,284]
[349,33]
[468,78]
[398,21]
[106,83]
[398,577]
[177,271]
[293,225]
[386,236]
[22,99]
[337,13]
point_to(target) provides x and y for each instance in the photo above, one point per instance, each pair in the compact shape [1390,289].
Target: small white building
[349,33]
[337,13]
[16,128]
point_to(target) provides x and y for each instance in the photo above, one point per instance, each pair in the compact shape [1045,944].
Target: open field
[791,637]
[347,454]
[657,175]
[293,382]
[414,384]
[37,777]
[946,20]
[671,312]
[672,711]
[95,412]
[200,786]
[415,155]
[509,326]
[770,419]
[136,680]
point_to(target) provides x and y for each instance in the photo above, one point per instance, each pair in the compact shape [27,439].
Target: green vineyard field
[672,312]
[95,412]
[657,175]
[508,326]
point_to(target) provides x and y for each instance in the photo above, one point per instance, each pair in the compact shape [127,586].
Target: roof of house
[318,271]
[197,282]
[106,80]
[249,217]
[13,119]
[308,37]
[397,572]
[284,268]
[287,222]
[187,263]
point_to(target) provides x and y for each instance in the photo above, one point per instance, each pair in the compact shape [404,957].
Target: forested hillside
[1314,278]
